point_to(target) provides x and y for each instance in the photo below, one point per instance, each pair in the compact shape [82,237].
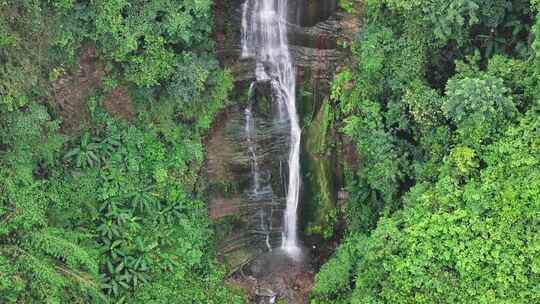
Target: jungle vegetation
[443,106]
[107,209]
[441,100]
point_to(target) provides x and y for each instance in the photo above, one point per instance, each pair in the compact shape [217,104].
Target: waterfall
[259,189]
[249,130]
[264,37]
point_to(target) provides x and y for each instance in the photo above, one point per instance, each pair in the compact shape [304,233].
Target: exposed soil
[218,149]
[223,206]
[118,103]
[71,91]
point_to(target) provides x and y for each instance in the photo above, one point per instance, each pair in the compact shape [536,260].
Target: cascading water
[250,129]
[260,190]
[264,37]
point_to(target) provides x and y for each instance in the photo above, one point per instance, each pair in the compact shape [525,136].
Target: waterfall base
[277,276]
[293,251]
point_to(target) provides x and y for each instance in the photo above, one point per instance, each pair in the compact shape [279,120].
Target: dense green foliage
[443,107]
[111,212]
[442,103]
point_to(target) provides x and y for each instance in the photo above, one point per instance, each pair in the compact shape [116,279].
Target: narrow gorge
[274,163]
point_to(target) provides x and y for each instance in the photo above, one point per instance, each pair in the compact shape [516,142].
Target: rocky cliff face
[316,30]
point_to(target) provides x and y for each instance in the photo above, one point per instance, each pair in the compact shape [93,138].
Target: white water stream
[264,38]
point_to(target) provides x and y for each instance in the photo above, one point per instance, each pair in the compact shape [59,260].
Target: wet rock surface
[248,222]
[314,33]
[314,29]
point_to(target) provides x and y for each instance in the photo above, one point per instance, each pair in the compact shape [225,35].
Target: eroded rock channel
[250,148]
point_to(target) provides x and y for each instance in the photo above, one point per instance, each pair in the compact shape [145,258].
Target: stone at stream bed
[343,195]
[265,292]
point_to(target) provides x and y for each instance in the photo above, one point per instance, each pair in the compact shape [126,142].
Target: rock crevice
[314,36]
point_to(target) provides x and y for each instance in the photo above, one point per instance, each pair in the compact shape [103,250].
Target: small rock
[265,292]
[343,195]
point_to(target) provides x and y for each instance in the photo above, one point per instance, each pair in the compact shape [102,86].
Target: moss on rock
[319,162]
